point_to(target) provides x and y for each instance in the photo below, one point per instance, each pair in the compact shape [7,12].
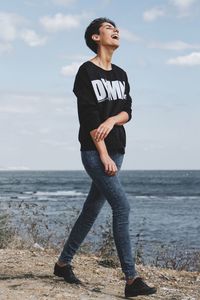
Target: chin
[115,44]
[114,47]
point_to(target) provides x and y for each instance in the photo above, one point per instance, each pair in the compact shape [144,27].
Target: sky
[41,47]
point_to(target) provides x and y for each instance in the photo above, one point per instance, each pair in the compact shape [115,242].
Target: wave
[47,195]
[55,193]
[167,197]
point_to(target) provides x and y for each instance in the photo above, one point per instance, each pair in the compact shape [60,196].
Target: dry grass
[27,274]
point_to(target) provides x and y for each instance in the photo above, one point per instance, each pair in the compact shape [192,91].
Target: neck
[104,58]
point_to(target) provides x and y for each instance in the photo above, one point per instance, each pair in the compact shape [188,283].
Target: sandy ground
[28,274]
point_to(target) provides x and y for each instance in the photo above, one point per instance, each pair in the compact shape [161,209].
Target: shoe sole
[73,282]
[141,294]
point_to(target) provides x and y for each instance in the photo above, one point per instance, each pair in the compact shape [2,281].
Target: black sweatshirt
[100,95]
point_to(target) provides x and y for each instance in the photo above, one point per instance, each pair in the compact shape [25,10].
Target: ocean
[165,207]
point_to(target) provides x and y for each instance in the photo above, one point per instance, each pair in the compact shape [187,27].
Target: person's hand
[103,130]
[109,164]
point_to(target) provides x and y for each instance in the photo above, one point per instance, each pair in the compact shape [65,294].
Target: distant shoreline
[82,170]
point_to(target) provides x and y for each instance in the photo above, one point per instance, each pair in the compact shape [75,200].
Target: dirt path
[26,274]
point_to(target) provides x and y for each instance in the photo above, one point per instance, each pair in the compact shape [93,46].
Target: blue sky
[41,47]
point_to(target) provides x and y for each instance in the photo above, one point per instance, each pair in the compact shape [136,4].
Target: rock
[37,246]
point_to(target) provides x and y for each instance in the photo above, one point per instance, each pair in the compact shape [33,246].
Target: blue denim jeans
[103,187]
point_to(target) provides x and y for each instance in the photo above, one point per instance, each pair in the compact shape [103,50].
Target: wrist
[113,119]
[103,153]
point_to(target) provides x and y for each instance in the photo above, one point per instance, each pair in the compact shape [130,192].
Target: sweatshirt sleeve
[88,112]
[128,102]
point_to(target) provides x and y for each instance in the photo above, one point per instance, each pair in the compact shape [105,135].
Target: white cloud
[27,132]
[70,70]
[12,28]
[9,24]
[19,98]
[80,57]
[174,45]
[60,22]
[16,109]
[55,143]
[183,4]
[128,35]
[153,13]
[5,47]
[15,168]
[183,8]
[63,2]
[31,103]
[44,130]
[192,59]
[32,39]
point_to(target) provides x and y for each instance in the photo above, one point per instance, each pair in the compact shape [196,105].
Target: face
[108,35]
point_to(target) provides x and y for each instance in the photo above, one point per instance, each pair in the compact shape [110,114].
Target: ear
[95,37]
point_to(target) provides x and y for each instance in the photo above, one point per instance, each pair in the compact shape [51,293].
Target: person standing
[104,105]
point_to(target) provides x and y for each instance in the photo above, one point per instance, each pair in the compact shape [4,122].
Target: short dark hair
[93,28]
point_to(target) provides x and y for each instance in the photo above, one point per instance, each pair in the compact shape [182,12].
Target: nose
[116,30]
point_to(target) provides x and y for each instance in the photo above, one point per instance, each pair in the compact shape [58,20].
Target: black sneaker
[67,273]
[138,287]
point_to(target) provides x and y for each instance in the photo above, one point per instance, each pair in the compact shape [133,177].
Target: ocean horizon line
[82,170]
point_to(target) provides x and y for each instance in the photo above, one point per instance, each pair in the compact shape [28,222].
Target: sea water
[165,206]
